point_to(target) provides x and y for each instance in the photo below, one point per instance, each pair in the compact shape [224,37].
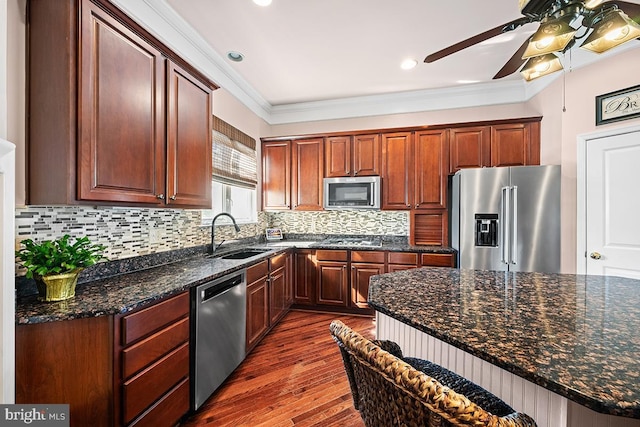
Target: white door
[612,205]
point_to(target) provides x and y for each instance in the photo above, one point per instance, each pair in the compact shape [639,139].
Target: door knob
[595,255]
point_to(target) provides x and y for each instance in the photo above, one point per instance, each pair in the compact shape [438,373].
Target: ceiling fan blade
[509,26]
[514,63]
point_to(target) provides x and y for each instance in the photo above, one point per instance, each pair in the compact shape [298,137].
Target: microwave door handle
[373,195]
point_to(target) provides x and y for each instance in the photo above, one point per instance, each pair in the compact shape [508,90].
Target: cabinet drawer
[257,271]
[278,261]
[367,256]
[168,410]
[154,347]
[148,320]
[148,386]
[407,258]
[331,255]
[437,260]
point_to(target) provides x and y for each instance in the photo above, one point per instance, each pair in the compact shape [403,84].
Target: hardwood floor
[294,377]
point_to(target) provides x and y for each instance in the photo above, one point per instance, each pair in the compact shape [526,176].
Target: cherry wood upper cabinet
[121,143]
[189,121]
[501,144]
[337,154]
[307,163]
[515,144]
[470,147]
[431,169]
[276,175]
[397,170]
[99,120]
[357,155]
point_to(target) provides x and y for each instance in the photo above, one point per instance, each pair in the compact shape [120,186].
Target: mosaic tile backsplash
[130,232]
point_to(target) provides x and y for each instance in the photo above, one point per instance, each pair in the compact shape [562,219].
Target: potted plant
[56,264]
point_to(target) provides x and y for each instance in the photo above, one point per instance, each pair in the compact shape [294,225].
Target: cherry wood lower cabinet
[257,303]
[338,280]
[128,369]
[364,264]
[269,296]
[333,286]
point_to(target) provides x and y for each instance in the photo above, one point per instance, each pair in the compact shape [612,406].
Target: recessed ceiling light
[262,2]
[235,56]
[408,64]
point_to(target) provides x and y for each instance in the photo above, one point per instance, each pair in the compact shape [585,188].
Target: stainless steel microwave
[352,193]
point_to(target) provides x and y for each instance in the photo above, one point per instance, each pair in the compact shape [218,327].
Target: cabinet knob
[173,197]
[409,205]
[160,196]
[418,205]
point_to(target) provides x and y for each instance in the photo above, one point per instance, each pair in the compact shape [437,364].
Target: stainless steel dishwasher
[219,330]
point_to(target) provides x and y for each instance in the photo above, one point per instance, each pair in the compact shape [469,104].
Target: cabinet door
[337,151]
[431,169]
[306,181]
[257,311]
[513,144]
[360,275]
[121,121]
[305,277]
[188,140]
[276,175]
[470,147]
[277,294]
[333,284]
[366,155]
[428,227]
[397,170]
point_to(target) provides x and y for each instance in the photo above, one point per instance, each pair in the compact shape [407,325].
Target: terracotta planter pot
[57,287]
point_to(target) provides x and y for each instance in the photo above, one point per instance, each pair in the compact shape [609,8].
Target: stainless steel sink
[241,254]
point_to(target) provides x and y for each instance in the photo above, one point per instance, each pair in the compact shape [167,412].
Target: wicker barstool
[388,391]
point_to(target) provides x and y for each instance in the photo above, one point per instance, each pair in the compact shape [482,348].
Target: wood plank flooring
[294,377]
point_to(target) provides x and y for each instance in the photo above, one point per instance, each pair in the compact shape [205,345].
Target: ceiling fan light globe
[552,36]
[541,66]
[590,4]
[615,29]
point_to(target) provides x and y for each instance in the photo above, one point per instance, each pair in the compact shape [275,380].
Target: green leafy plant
[58,256]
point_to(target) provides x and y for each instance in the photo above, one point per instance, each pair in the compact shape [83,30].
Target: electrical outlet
[155,236]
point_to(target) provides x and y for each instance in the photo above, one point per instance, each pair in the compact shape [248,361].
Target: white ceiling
[316,59]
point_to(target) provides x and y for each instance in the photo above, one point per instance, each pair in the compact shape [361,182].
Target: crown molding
[161,20]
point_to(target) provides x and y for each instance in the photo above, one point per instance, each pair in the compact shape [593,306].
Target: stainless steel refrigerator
[507,218]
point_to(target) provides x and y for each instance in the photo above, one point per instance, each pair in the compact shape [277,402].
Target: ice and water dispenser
[486,230]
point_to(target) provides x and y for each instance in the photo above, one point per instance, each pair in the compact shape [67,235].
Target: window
[234,177]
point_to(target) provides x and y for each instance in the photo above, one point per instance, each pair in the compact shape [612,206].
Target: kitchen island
[564,349]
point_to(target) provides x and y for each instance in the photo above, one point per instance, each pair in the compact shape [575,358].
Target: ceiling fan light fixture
[539,66]
[614,29]
[552,36]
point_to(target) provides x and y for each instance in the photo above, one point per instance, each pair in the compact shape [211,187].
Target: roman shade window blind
[234,156]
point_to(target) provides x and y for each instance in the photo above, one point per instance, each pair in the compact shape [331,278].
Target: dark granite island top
[576,335]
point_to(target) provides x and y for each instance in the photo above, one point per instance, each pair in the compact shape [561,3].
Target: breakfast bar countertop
[575,335]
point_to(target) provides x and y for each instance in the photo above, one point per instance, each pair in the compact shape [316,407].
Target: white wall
[561,129]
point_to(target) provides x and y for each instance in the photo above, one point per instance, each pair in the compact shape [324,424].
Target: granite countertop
[121,286]
[575,335]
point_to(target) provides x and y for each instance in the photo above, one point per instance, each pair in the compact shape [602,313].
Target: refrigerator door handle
[505,226]
[514,226]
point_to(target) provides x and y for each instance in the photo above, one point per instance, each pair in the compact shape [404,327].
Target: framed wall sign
[620,105]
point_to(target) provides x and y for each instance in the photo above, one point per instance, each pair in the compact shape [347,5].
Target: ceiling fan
[605,24]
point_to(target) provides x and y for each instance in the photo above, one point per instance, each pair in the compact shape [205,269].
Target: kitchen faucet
[213,229]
